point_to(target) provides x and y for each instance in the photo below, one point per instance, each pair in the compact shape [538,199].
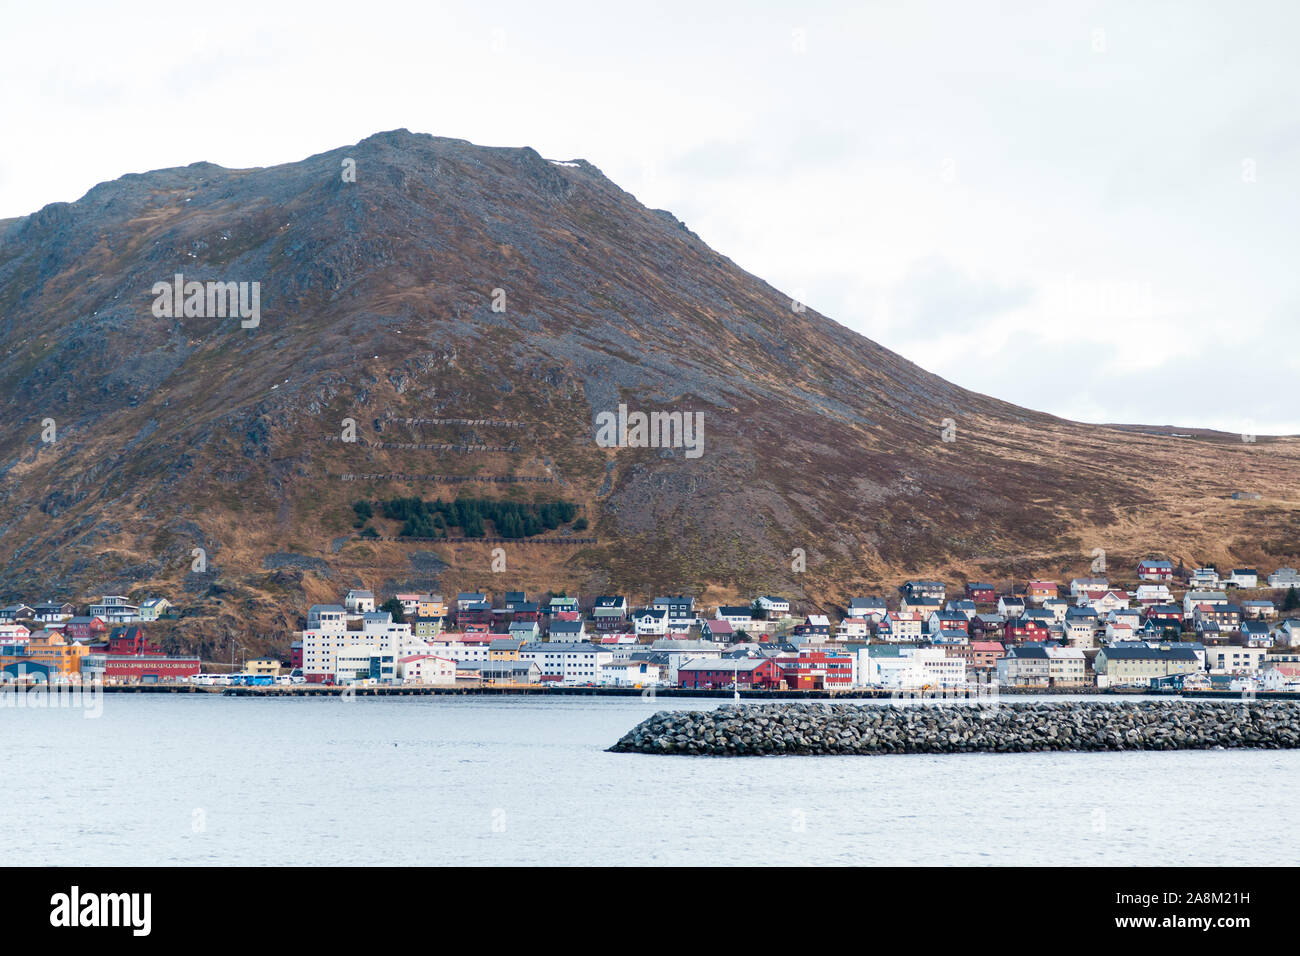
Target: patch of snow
[558,162]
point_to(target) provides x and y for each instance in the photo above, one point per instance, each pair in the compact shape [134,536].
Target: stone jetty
[750,730]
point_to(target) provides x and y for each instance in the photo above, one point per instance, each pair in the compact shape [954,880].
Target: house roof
[560,647]
[723,664]
[672,644]
[1143,653]
[1028,651]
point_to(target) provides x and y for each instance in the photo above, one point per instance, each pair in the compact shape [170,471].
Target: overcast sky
[1091,210]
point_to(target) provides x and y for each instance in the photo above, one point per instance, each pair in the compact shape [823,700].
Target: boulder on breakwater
[751,730]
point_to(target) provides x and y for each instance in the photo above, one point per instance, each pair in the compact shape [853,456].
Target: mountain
[505,301]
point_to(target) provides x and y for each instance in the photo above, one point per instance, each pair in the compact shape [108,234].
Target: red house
[1164,612]
[724,673]
[130,641]
[1156,571]
[85,629]
[480,613]
[1022,629]
[981,593]
[953,622]
[817,670]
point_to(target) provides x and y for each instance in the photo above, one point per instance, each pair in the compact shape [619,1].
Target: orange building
[51,649]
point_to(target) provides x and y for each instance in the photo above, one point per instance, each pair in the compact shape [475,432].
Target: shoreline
[865,693]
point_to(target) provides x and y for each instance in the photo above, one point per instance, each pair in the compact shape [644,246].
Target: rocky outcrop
[750,730]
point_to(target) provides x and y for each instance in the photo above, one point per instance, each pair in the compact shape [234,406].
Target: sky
[1089,210]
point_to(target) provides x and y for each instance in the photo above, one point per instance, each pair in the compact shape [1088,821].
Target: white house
[359,602]
[901,626]
[426,669]
[1109,601]
[650,622]
[907,668]
[871,608]
[1233,659]
[460,651]
[1010,607]
[1284,578]
[1243,578]
[1194,599]
[1280,677]
[853,629]
[741,618]
[115,609]
[1079,585]
[1289,632]
[1153,594]
[631,673]
[565,663]
[774,606]
[1260,610]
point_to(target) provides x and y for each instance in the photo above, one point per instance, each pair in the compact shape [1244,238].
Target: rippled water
[199,779]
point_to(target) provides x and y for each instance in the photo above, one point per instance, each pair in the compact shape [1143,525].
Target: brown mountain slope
[377,305]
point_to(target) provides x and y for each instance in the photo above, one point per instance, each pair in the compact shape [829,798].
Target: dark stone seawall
[750,730]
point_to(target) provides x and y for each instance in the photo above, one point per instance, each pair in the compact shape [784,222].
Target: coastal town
[1169,628]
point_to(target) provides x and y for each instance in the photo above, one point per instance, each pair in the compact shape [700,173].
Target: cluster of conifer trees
[510,519]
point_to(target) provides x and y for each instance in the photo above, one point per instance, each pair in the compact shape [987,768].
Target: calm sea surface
[161,779]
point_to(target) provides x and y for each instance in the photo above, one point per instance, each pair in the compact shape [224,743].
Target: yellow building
[504,649]
[263,666]
[430,605]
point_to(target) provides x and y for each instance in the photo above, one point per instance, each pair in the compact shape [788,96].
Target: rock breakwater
[748,730]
